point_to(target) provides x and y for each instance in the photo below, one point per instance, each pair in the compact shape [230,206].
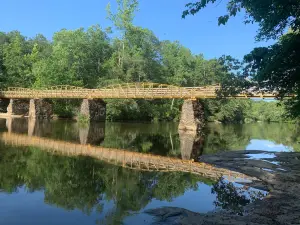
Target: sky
[200,33]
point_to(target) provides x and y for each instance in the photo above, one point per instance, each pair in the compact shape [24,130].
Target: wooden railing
[125,91]
[121,157]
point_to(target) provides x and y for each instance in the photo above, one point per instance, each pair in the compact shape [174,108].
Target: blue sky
[200,33]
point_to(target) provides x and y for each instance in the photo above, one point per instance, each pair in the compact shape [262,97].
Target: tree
[3,40]
[78,58]
[122,20]
[273,16]
[275,68]
[17,64]
[178,62]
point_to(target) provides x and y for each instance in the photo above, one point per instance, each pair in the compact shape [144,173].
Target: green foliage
[273,16]
[66,108]
[77,58]
[275,68]
[143,110]
[245,111]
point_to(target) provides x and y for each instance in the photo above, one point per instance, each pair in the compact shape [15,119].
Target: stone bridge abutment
[192,116]
[94,109]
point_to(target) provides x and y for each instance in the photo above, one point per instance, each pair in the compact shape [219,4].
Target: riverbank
[278,172]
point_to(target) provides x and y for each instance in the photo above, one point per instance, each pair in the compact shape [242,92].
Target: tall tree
[16,62]
[122,21]
[3,40]
[78,58]
[273,16]
[277,67]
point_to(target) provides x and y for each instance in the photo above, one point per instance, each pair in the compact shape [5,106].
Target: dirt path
[279,175]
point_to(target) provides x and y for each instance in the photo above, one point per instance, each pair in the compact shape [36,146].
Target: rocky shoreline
[277,172]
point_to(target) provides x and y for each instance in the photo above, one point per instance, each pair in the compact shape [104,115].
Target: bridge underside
[192,115]
[95,109]
[33,108]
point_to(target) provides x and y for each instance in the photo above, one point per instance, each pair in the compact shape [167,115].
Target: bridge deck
[126,91]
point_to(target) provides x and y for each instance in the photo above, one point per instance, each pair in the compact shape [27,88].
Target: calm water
[37,187]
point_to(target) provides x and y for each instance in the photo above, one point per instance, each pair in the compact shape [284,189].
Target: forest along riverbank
[278,172]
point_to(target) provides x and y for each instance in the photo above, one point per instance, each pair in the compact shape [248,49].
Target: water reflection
[95,192]
[160,139]
[84,190]
[87,184]
[164,138]
[235,197]
[267,136]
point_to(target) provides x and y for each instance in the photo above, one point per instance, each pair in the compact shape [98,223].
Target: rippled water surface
[44,187]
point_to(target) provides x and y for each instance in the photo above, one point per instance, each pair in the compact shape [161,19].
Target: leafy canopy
[273,16]
[277,67]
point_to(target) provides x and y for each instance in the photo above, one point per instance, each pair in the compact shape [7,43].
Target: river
[42,187]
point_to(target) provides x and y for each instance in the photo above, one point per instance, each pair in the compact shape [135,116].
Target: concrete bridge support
[40,108]
[192,116]
[18,107]
[94,109]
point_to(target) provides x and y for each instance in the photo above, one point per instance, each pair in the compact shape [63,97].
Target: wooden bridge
[121,157]
[125,91]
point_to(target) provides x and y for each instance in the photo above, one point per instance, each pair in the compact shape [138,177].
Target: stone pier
[40,108]
[18,107]
[192,116]
[95,109]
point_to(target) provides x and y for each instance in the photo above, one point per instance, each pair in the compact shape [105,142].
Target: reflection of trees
[233,198]
[155,138]
[163,138]
[84,183]
[236,137]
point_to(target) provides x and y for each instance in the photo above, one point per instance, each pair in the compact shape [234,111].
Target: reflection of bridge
[95,134]
[94,107]
[125,158]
